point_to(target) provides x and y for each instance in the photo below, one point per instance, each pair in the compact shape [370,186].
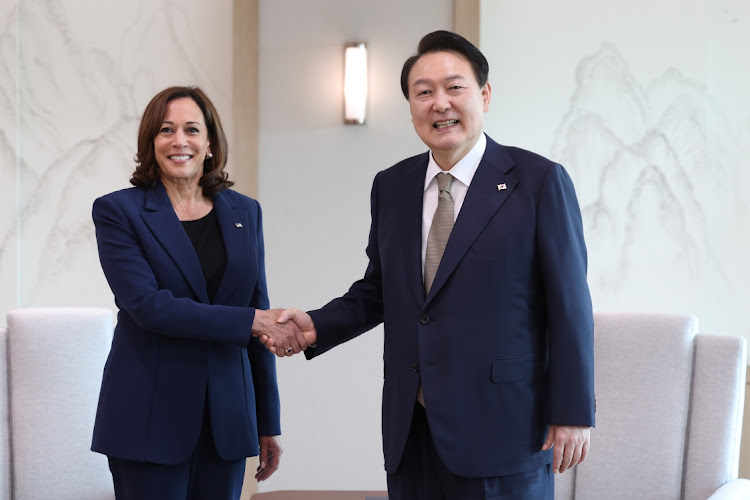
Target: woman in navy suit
[188,392]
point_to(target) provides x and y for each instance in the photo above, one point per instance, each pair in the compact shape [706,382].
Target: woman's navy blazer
[173,351]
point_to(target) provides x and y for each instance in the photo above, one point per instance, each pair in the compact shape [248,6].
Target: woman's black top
[209,245]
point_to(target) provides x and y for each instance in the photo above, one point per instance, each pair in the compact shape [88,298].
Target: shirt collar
[464,169]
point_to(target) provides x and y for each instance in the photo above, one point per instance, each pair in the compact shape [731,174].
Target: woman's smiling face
[182,143]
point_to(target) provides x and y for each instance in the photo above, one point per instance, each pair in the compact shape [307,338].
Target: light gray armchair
[669,413]
[51,362]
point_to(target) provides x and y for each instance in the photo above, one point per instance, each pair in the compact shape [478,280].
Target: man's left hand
[570,444]
[270,454]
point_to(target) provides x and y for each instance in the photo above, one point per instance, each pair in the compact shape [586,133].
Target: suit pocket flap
[517,369]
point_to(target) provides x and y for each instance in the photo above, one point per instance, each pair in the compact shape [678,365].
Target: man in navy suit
[489,384]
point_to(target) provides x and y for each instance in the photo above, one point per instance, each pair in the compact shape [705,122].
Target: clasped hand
[284,332]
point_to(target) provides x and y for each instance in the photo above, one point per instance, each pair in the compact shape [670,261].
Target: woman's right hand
[282,338]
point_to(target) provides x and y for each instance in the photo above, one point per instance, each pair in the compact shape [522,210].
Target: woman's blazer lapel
[162,220]
[236,230]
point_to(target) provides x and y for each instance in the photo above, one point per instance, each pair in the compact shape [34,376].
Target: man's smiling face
[447,105]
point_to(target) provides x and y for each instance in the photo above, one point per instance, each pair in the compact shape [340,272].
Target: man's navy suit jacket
[172,349]
[503,343]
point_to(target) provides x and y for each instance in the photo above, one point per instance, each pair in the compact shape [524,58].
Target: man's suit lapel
[490,187]
[235,230]
[412,227]
[162,220]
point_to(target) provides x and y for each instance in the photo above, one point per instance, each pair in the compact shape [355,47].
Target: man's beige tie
[440,230]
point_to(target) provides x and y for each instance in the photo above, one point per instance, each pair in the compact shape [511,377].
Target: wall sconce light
[355,83]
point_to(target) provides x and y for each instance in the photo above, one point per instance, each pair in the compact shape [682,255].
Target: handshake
[284,332]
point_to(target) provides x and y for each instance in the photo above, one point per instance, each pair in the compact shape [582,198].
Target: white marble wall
[74,79]
[647,105]
[8,163]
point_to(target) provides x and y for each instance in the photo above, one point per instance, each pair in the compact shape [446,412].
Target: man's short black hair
[446,41]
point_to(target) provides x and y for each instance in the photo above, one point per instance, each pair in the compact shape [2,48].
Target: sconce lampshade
[355,83]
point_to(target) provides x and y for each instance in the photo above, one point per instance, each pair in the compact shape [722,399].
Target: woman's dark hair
[446,41]
[147,172]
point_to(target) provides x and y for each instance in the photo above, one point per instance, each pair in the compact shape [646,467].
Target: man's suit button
[424,319]
[415,368]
